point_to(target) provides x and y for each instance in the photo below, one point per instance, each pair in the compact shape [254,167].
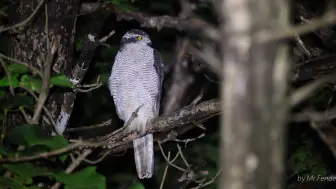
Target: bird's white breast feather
[134,81]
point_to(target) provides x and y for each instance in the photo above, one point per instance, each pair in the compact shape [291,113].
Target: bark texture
[253,94]
[29,45]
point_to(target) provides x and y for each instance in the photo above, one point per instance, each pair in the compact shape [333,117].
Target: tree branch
[306,91]
[24,22]
[51,50]
[267,36]
[314,68]
[119,142]
[73,166]
[91,42]
[192,25]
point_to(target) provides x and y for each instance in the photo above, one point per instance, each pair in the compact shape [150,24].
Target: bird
[135,84]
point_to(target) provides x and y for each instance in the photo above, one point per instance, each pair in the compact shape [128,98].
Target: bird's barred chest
[134,80]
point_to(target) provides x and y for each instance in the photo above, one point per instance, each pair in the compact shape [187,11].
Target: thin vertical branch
[46,73]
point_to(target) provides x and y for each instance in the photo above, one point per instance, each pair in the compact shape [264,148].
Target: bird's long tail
[144,156]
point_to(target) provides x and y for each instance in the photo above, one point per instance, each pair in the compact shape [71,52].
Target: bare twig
[24,114]
[194,25]
[106,37]
[97,160]
[96,86]
[182,156]
[209,79]
[301,45]
[186,141]
[45,109]
[46,74]
[73,166]
[197,99]
[43,154]
[304,92]
[199,125]
[126,124]
[35,70]
[103,124]
[78,161]
[309,115]
[168,161]
[8,74]
[267,36]
[209,182]
[26,21]
[165,173]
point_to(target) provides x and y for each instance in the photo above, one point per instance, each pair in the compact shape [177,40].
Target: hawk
[136,83]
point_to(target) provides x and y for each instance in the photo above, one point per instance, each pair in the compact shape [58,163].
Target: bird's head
[135,36]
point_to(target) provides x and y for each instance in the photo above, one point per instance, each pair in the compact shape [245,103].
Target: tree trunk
[254,90]
[29,45]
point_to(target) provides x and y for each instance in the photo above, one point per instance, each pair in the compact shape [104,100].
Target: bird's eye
[139,38]
[187,55]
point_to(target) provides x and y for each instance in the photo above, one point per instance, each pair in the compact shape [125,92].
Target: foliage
[305,161]
[20,77]
[34,140]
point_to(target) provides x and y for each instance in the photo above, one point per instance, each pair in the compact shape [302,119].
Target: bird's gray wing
[114,83]
[159,68]
[158,65]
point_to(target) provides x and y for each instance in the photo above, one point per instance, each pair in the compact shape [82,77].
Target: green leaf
[87,178]
[31,83]
[17,101]
[60,80]
[27,170]
[27,135]
[28,181]
[54,142]
[137,185]
[57,142]
[30,135]
[34,136]
[17,68]
[4,82]
[9,183]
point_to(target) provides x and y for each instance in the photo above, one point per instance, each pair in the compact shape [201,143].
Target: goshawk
[136,81]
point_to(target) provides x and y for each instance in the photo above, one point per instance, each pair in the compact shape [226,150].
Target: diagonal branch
[119,142]
[46,74]
[77,74]
[25,22]
[192,25]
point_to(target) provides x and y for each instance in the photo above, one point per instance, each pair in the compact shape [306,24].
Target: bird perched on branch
[136,83]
